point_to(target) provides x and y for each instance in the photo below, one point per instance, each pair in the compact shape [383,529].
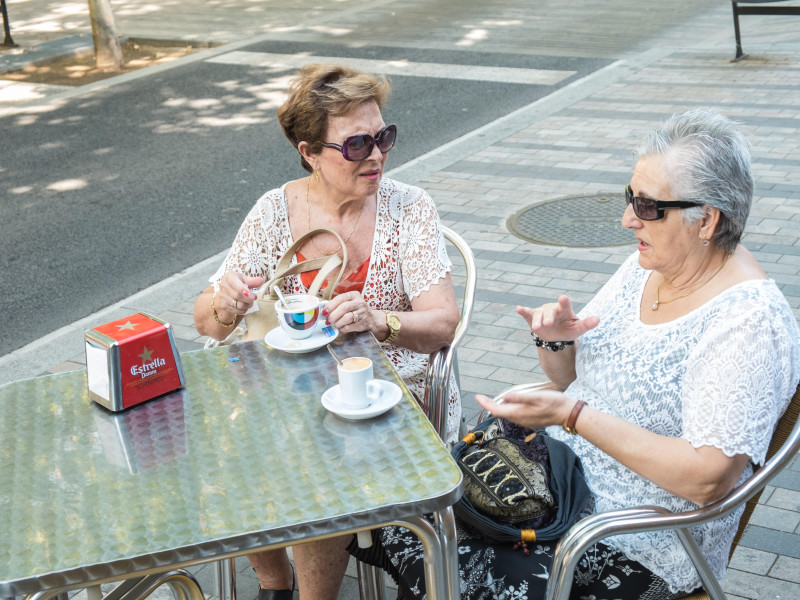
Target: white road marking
[282,62]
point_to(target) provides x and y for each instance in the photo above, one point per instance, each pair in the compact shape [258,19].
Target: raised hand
[557,321]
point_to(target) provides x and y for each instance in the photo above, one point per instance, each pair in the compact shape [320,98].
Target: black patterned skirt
[504,571]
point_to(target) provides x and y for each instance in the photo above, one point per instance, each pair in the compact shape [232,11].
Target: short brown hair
[318,92]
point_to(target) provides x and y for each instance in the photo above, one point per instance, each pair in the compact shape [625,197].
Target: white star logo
[127,325]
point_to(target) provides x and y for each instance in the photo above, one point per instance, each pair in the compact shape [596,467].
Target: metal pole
[7,41]
[739,53]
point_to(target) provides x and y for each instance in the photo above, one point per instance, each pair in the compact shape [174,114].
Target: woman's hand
[533,409]
[429,325]
[349,312]
[231,301]
[235,296]
[556,321]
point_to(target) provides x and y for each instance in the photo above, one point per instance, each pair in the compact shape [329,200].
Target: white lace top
[720,376]
[408,256]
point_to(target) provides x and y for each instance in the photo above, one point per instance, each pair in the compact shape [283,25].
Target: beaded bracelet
[216,316]
[551,346]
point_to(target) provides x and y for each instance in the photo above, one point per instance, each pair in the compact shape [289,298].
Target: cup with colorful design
[300,315]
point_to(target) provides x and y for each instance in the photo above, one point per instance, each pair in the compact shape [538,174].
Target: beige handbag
[265,319]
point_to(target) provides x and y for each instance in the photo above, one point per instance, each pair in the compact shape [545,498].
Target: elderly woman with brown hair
[396,283]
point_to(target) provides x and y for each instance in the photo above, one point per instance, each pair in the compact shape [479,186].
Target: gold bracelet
[216,316]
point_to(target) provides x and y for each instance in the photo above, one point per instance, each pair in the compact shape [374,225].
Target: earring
[705,242]
[316,176]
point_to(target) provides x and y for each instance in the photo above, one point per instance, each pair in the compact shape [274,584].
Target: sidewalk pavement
[578,140]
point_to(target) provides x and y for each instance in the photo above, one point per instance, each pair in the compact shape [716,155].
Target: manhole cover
[575,221]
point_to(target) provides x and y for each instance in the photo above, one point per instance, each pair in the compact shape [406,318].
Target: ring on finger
[355,316]
[236,304]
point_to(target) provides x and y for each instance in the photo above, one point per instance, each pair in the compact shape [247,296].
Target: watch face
[393,321]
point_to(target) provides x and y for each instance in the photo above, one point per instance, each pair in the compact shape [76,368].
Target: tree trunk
[107,50]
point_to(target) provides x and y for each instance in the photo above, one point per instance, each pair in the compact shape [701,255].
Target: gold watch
[393,323]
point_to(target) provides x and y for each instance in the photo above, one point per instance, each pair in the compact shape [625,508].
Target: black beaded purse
[519,485]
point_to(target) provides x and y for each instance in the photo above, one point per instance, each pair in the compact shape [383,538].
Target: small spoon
[278,291]
[333,354]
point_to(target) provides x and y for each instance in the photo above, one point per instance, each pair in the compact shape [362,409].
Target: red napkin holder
[132,360]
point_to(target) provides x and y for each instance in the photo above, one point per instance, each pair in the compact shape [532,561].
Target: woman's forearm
[204,320]
[429,325]
[559,367]
[421,331]
[701,475]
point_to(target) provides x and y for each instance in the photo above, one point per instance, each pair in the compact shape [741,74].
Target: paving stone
[786,499]
[526,279]
[755,587]
[487,386]
[752,561]
[786,568]
[493,344]
[481,369]
[575,286]
[511,376]
[518,363]
[179,317]
[775,518]
[469,354]
[772,540]
[789,478]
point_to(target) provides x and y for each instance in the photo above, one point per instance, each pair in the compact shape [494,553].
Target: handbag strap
[332,262]
[324,264]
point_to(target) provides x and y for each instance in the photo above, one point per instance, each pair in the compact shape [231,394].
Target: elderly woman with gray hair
[671,378]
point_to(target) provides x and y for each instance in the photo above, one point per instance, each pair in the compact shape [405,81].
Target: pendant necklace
[659,301]
[349,235]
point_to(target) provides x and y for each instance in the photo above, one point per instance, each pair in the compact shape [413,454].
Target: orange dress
[352,283]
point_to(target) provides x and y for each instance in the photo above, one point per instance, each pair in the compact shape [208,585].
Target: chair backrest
[785,425]
[440,363]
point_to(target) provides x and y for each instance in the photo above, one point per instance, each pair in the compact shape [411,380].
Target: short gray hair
[710,164]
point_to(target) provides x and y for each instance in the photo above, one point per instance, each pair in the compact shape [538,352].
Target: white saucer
[391,395]
[278,339]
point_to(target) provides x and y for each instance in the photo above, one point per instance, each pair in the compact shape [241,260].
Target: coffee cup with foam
[357,387]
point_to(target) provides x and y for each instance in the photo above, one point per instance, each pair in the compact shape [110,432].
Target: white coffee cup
[300,315]
[357,388]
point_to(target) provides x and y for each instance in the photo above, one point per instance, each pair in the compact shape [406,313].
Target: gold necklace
[689,293]
[308,224]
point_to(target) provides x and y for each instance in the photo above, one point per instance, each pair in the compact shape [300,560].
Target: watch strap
[393,332]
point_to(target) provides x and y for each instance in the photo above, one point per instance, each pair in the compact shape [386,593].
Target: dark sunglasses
[359,147]
[648,209]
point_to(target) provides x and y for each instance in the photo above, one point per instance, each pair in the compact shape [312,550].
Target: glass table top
[243,457]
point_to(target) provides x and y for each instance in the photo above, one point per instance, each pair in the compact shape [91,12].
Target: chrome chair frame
[440,363]
[436,401]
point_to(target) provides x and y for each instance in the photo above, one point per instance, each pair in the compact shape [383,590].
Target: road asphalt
[576,140]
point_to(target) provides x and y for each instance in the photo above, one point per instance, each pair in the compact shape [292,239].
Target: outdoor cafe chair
[783,447]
